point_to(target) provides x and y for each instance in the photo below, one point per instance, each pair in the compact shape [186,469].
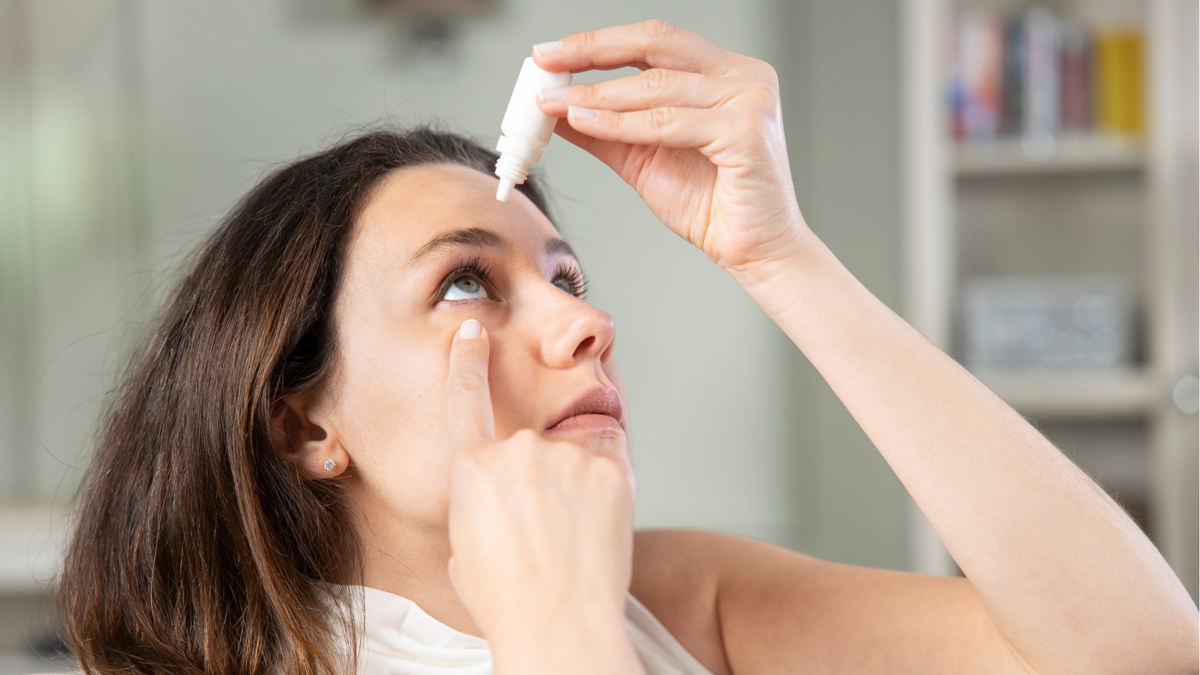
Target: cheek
[394,412]
[513,385]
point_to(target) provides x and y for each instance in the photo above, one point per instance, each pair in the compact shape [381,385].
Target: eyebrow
[481,238]
[560,246]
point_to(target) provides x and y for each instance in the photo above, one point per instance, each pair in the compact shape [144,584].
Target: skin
[499,528]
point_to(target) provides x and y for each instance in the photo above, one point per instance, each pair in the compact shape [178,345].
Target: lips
[597,401]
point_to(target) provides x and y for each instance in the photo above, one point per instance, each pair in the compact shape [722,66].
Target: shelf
[1085,154]
[1076,394]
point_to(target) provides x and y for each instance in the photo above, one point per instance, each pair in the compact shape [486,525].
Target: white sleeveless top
[399,638]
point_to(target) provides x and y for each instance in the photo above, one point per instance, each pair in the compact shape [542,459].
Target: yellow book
[1119,80]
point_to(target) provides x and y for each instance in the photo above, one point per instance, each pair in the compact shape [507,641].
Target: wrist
[793,239]
[588,643]
[788,274]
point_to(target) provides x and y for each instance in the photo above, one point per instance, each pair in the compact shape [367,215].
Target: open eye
[565,285]
[466,287]
[570,280]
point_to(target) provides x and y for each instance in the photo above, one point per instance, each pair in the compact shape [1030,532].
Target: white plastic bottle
[526,129]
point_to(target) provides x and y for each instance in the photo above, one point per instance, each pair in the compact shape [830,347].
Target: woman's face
[432,248]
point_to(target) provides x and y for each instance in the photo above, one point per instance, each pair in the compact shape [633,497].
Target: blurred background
[1017,179]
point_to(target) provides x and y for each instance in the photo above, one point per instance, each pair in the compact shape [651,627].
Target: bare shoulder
[744,606]
[679,575]
[676,574]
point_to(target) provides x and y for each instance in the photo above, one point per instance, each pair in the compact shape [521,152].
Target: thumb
[450,573]
[468,397]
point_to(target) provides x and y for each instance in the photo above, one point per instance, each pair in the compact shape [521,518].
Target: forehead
[412,205]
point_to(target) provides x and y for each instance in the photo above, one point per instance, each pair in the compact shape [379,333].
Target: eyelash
[473,266]
[574,277]
[476,267]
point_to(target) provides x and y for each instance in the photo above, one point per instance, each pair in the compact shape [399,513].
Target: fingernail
[552,94]
[576,112]
[547,48]
[468,330]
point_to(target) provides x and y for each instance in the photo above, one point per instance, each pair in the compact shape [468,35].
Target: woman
[377,376]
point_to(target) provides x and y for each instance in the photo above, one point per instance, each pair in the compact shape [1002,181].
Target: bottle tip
[505,189]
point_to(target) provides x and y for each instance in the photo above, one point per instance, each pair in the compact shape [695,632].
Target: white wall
[839,75]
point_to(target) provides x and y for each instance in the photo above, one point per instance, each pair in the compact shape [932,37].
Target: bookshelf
[980,202]
[1084,154]
[1089,395]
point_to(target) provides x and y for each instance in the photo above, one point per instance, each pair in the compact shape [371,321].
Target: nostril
[586,344]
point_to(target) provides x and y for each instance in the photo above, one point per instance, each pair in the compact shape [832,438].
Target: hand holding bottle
[698,134]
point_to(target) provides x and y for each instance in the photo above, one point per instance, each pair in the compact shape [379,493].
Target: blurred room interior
[1018,179]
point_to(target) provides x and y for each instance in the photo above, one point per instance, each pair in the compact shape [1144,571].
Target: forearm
[1068,578]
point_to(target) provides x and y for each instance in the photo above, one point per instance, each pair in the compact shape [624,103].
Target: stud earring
[329,464]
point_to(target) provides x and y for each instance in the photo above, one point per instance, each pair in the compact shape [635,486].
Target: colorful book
[1043,43]
[1076,80]
[1033,75]
[1118,81]
[1014,76]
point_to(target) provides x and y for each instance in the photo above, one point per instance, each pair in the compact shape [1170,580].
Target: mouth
[596,410]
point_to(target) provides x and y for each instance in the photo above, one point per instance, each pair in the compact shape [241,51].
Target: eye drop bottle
[526,129]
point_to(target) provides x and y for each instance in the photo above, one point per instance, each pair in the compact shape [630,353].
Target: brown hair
[198,547]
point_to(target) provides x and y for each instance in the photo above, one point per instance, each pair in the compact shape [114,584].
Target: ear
[307,443]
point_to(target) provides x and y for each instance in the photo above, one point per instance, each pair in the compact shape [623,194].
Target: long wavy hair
[198,547]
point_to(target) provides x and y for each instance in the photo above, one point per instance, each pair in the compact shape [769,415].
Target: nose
[576,332]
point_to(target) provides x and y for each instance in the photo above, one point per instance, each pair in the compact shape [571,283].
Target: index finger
[649,44]
[469,401]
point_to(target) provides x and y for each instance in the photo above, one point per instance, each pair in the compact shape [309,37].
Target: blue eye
[465,288]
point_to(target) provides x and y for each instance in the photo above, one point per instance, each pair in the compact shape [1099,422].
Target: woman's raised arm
[1070,582]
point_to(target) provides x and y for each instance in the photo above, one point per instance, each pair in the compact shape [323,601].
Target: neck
[411,562]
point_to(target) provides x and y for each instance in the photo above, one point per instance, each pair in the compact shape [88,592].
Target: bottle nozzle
[506,187]
[525,128]
[513,165]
